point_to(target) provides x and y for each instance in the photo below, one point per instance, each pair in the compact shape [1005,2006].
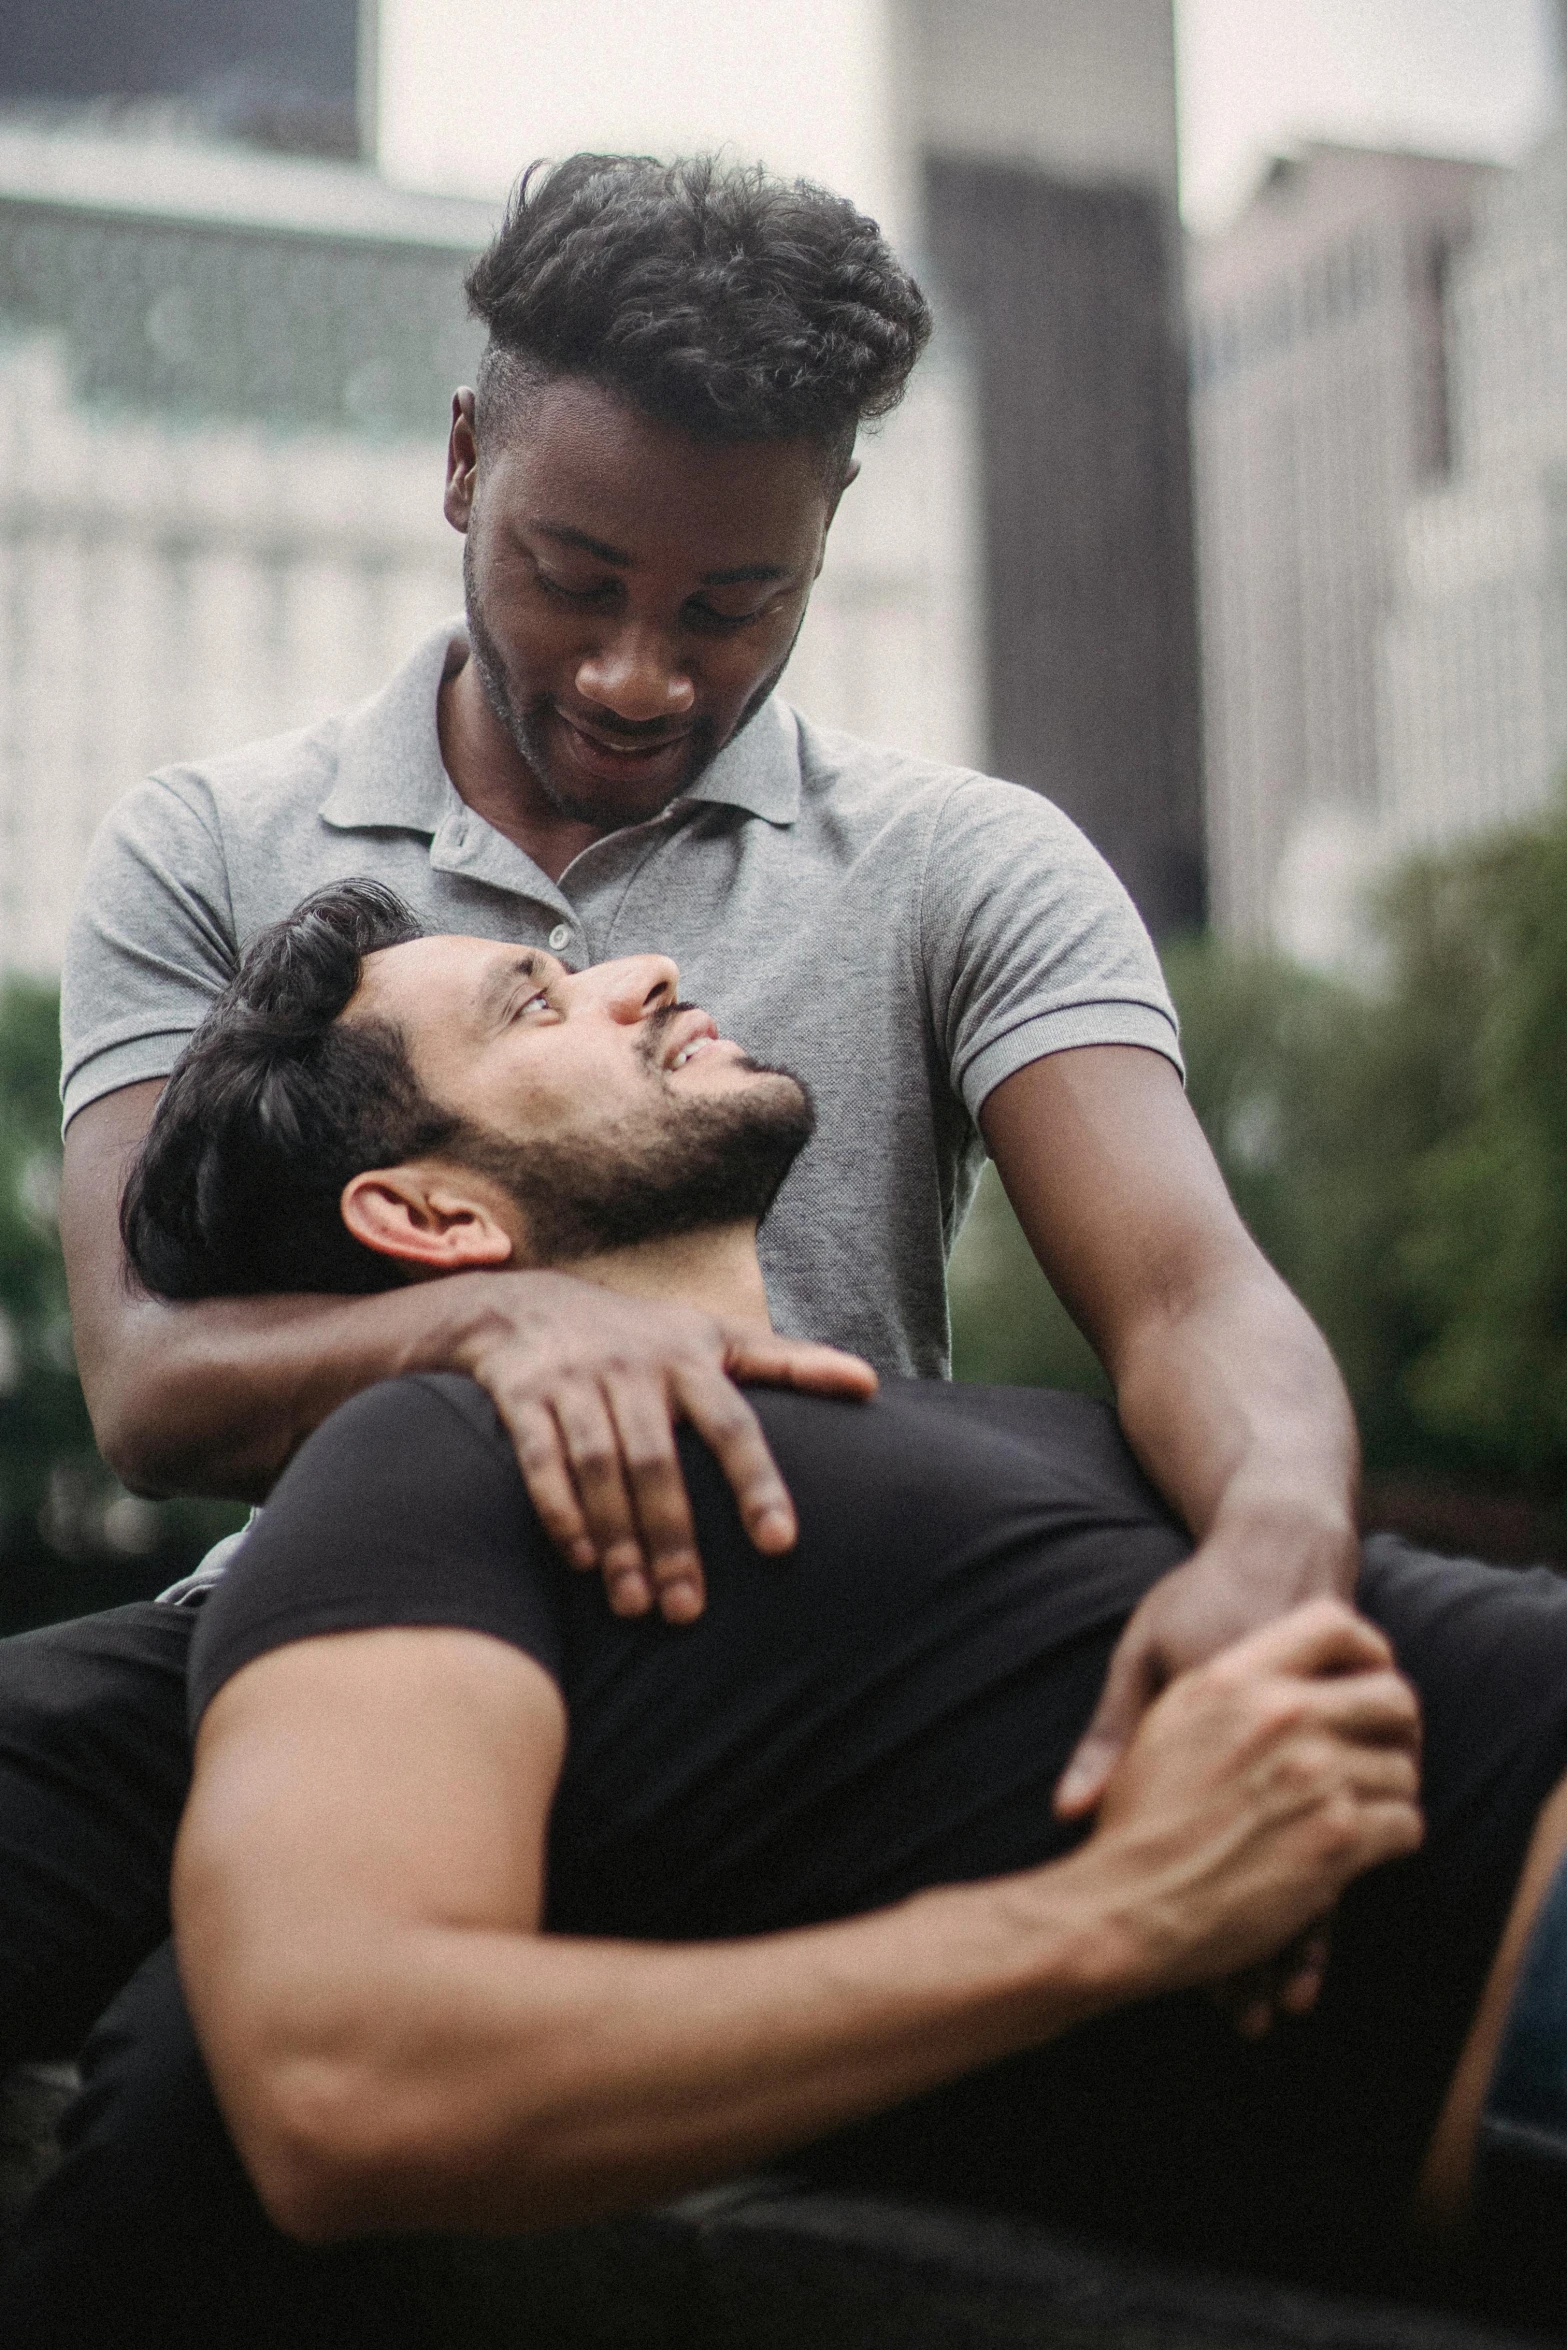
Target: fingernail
[629,1594]
[583,1554]
[773,1529]
[681,1601]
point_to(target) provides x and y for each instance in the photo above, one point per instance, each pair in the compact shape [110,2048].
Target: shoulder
[875,785]
[287,773]
[427,1431]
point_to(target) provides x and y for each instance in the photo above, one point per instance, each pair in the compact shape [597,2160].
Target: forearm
[495,2083]
[1235,1408]
[216,1397]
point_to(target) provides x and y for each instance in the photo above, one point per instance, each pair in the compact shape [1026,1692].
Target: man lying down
[496,1910]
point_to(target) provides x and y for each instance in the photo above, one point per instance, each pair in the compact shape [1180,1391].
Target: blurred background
[1230,509]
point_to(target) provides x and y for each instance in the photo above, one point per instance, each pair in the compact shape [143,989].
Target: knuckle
[537,1454]
[1340,1822]
[652,1461]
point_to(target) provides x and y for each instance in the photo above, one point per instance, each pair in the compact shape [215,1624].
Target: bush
[1400,1154]
[71,1537]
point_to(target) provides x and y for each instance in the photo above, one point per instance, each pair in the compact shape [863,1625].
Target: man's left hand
[1188,1616]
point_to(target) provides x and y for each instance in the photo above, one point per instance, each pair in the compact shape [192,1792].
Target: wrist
[1302,1542]
[455,1323]
[1055,1946]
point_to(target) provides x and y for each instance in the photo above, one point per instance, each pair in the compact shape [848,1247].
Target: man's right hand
[1257,1787]
[216,1396]
[591,1385]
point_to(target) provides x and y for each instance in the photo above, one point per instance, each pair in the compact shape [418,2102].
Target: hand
[1189,1616]
[590,1384]
[1257,1787]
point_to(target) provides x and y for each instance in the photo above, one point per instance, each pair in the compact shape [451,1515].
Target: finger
[1390,1831]
[1373,1708]
[796,1362]
[727,1425]
[541,1457]
[1131,1685]
[593,1455]
[1302,1985]
[662,1507]
[1320,1637]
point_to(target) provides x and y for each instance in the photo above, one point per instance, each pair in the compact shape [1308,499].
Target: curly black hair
[712,296]
[275,1103]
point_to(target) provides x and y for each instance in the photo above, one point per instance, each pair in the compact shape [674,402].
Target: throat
[717,1271]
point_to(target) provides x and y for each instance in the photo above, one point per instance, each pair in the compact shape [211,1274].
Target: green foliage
[1485,1252]
[1400,1154]
[71,1538]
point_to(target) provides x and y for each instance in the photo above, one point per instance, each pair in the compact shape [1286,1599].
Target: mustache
[655,1028]
[637,733]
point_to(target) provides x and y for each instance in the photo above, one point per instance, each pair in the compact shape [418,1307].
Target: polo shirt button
[560,937]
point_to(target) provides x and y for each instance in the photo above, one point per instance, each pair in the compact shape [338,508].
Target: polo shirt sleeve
[152,943]
[1030,944]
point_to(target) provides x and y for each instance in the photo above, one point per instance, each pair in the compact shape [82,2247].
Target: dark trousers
[94,1769]
[151,2234]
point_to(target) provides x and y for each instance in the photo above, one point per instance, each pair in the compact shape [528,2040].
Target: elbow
[315,2137]
[133,1422]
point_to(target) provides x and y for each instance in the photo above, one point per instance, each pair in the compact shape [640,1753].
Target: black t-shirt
[889,1707]
[879,1710]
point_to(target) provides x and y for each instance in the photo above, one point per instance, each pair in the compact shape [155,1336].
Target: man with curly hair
[598,764]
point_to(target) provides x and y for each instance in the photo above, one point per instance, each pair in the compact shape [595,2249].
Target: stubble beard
[671,1165]
[527,725]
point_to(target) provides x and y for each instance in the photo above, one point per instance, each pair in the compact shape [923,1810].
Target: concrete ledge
[757,2266]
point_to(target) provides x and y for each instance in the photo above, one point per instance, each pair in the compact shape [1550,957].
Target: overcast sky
[1466,77]
[794,80]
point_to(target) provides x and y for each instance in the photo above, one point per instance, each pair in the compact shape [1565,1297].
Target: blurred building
[296,74]
[224,383]
[1476,647]
[224,380]
[1045,135]
[1321,406]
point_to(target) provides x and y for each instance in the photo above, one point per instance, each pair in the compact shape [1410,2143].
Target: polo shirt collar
[390,776]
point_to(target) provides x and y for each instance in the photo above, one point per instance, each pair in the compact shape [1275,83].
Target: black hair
[709,295]
[274,1105]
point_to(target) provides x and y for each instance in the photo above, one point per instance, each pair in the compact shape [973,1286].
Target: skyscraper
[1320,406]
[1475,720]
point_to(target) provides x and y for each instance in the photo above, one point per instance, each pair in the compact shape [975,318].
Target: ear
[433,1218]
[462,460]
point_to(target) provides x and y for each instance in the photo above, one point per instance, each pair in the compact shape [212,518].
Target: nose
[632,988]
[632,672]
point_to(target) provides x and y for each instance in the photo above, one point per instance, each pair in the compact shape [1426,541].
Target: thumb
[1130,1688]
[795,1362]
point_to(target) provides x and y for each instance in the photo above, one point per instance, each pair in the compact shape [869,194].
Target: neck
[717,1271]
[492,776]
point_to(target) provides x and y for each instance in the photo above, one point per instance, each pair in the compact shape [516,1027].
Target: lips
[689,1033]
[640,763]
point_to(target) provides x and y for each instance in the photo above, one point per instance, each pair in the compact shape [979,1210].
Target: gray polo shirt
[902,935]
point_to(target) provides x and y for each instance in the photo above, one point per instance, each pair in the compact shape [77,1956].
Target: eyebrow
[738,575]
[499,982]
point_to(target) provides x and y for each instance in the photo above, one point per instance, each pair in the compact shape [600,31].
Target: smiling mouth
[631,750]
[691,1031]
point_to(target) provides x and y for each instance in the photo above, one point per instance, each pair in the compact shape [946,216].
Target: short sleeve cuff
[132,1063]
[1062,1031]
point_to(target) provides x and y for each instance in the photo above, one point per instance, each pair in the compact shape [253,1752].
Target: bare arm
[1226,1389]
[216,1397]
[397,2046]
